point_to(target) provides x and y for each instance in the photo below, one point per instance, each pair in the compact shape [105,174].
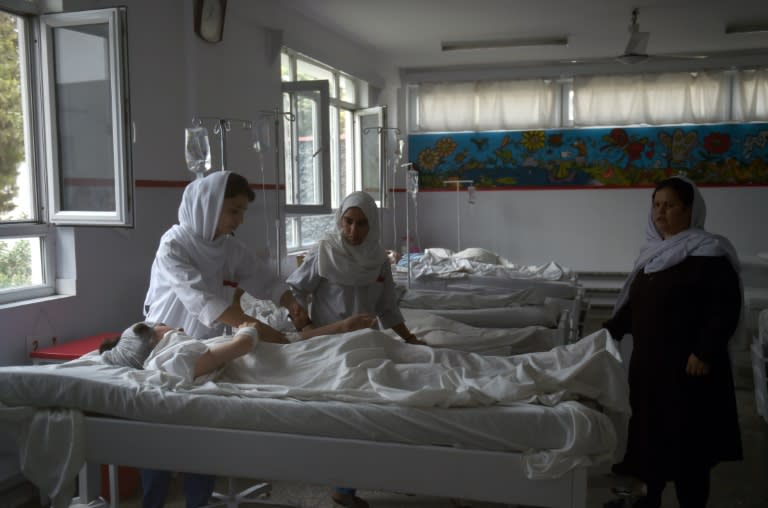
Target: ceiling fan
[635,52]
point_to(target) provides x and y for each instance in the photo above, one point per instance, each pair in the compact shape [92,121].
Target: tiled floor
[734,485]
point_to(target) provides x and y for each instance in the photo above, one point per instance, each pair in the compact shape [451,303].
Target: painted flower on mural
[632,147]
[717,143]
[555,140]
[533,140]
[429,159]
[445,146]
[679,146]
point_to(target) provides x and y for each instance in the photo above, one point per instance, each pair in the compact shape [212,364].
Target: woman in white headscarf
[199,272]
[347,273]
[682,304]
[200,267]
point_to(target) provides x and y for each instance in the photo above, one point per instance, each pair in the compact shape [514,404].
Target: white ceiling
[408,33]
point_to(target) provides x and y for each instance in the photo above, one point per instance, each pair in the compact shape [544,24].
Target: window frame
[323,130]
[115,18]
[39,130]
[337,106]
[380,113]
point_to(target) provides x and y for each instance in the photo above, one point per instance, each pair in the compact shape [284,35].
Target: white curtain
[530,104]
[488,105]
[651,99]
[751,103]
[446,106]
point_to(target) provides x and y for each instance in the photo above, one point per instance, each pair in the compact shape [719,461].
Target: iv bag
[198,150]
[399,149]
[412,181]
[472,192]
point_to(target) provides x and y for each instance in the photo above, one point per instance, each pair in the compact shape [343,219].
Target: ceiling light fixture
[503,43]
[746,29]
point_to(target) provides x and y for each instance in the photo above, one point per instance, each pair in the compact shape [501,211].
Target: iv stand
[276,114]
[407,224]
[458,218]
[223,125]
[379,130]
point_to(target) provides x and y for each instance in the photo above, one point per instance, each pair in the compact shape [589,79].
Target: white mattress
[555,437]
[490,284]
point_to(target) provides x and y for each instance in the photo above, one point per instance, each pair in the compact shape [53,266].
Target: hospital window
[63,149]
[328,150]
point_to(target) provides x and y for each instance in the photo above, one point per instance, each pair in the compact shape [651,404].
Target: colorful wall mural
[721,154]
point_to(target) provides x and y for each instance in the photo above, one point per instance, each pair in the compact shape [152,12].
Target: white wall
[587,230]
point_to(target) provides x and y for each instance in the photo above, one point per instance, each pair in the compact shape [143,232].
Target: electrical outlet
[37,342]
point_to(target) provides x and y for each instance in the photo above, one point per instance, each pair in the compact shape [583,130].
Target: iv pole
[458,217]
[276,114]
[223,125]
[383,183]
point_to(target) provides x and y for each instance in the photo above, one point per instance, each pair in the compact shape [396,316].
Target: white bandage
[293,336]
[250,331]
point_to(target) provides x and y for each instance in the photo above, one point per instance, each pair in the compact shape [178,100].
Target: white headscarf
[659,254]
[132,348]
[347,264]
[198,217]
[201,205]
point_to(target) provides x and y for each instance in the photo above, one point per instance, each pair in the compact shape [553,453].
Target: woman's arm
[219,354]
[350,324]
[235,316]
[407,335]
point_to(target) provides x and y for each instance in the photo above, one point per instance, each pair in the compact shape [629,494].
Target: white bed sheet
[555,435]
[444,263]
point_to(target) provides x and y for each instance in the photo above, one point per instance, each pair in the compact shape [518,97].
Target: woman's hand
[358,322]
[412,339]
[269,334]
[696,367]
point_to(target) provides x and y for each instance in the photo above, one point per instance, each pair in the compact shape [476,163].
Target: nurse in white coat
[199,272]
[200,267]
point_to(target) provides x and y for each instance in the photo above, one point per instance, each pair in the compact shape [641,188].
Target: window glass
[285,67]
[307,71]
[347,89]
[17,201]
[306,185]
[21,263]
[84,118]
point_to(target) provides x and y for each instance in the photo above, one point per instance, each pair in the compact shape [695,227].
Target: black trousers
[691,487]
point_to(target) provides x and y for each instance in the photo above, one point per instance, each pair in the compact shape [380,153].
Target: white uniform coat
[332,302]
[345,279]
[194,276]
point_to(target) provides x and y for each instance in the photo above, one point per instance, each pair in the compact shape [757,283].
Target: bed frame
[425,470]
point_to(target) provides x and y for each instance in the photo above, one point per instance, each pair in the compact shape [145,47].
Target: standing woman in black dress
[682,304]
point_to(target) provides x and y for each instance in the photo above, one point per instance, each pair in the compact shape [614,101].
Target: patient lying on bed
[372,367]
[143,341]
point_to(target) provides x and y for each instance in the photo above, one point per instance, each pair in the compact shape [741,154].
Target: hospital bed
[477,271]
[510,309]
[522,453]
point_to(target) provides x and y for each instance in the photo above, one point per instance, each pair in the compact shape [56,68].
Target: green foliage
[15,264]
[11,122]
